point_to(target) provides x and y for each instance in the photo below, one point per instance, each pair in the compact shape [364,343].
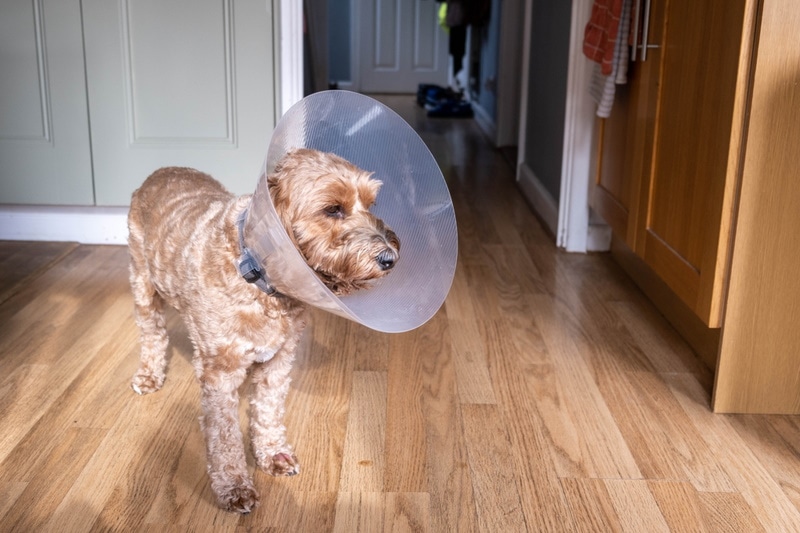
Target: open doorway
[533,104]
[386,46]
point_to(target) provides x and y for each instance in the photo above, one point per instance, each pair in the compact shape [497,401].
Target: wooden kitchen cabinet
[626,137]
[670,152]
[698,177]
[758,370]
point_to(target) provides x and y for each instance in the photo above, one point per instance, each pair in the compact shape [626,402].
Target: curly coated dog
[185,247]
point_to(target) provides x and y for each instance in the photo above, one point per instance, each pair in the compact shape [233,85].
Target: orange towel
[601,33]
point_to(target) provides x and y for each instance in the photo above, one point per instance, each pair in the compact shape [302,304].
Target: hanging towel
[622,49]
[603,87]
[600,35]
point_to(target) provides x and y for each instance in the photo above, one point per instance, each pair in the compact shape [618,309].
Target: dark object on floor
[428,94]
[451,109]
[443,102]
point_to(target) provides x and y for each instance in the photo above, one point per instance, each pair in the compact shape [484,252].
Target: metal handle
[635,45]
[645,32]
[645,29]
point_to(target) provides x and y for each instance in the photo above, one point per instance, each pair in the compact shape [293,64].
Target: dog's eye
[335,211]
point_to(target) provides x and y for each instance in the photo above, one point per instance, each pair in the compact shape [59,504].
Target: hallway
[546,395]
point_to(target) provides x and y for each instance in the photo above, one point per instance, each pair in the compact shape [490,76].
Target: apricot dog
[185,247]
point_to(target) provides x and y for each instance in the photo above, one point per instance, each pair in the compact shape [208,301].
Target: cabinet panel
[760,350]
[182,83]
[44,128]
[611,196]
[678,160]
[688,193]
[626,136]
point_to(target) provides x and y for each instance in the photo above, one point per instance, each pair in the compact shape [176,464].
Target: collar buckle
[248,267]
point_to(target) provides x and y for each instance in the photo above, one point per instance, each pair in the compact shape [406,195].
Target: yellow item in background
[443,16]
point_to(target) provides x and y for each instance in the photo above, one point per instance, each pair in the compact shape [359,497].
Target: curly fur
[346,259]
[184,248]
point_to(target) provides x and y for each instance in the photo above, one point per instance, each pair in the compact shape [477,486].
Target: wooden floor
[546,395]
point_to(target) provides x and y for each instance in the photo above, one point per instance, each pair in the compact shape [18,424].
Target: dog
[184,249]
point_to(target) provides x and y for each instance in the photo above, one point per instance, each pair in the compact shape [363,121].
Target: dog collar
[248,266]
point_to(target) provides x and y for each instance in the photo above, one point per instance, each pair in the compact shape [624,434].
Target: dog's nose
[387,258]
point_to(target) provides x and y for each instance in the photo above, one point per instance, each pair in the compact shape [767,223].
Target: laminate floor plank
[451,496]
[362,459]
[591,505]
[22,262]
[320,391]
[729,512]
[497,496]
[744,465]
[599,449]
[636,506]
[681,506]
[359,512]
[542,498]
[471,367]
[10,492]
[406,446]
[776,440]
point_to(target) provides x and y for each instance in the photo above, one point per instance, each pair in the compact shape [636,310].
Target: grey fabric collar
[248,266]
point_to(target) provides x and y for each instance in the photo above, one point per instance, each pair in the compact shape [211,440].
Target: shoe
[451,109]
[433,95]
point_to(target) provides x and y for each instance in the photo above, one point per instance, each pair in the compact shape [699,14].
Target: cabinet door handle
[646,31]
[635,45]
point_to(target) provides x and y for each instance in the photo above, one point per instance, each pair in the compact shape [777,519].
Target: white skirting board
[598,235]
[485,122]
[86,225]
[540,199]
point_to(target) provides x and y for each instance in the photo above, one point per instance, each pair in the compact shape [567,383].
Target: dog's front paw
[145,383]
[240,499]
[282,464]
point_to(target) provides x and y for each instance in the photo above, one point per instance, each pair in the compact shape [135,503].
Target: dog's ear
[278,190]
[289,162]
[273,182]
[283,168]
[368,188]
[376,184]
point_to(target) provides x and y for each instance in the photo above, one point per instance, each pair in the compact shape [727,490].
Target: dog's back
[175,215]
[172,194]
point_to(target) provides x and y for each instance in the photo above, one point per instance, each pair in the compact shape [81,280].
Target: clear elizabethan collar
[413,201]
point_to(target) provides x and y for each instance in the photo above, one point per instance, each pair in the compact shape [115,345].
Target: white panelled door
[178,83]
[402,45]
[44,124]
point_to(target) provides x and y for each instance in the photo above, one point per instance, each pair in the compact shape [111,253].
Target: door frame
[289,41]
[568,219]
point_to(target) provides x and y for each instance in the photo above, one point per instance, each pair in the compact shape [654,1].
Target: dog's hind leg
[227,464]
[149,311]
[270,385]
